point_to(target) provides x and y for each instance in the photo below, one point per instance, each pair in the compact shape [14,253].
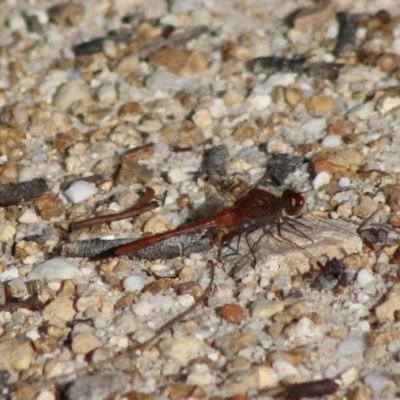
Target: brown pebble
[60,309]
[84,343]
[160,286]
[316,318]
[360,260]
[10,135]
[245,132]
[25,248]
[388,62]
[394,220]
[178,61]
[293,96]
[125,301]
[191,287]
[319,104]
[339,334]
[392,193]
[359,393]
[68,286]
[233,313]
[24,391]
[15,114]
[183,134]
[237,364]
[313,16]
[294,356]
[386,309]
[296,311]
[133,172]
[45,345]
[232,343]
[9,173]
[66,14]
[178,391]
[336,160]
[148,31]
[234,51]
[16,354]
[55,331]
[130,109]
[185,272]
[49,206]
[366,208]
[66,139]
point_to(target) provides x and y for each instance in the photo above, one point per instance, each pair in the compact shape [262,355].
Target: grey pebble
[97,387]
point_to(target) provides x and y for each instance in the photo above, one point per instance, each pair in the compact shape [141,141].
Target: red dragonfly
[253,210]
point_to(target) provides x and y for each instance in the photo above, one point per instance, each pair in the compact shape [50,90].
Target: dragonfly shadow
[290,248]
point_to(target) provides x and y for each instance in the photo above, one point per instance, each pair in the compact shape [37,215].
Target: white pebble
[56,268]
[8,274]
[363,111]
[69,93]
[133,283]
[16,22]
[29,216]
[41,15]
[280,79]
[164,80]
[313,127]
[218,108]
[389,104]
[284,369]
[260,101]
[39,157]
[142,308]
[364,277]
[26,174]
[202,118]
[353,344]
[107,93]
[344,182]
[332,31]
[176,175]
[161,301]
[186,300]
[332,141]
[80,191]
[45,395]
[323,178]
[182,349]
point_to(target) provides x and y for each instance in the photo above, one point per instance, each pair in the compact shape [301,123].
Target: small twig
[138,153]
[17,193]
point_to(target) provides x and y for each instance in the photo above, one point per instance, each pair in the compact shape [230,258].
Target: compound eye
[294,202]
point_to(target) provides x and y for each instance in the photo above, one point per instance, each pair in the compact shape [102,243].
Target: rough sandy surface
[260,78]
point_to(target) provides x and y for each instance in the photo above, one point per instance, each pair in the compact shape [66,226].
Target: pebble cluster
[87,87]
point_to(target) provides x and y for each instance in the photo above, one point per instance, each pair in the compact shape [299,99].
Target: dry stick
[17,193]
[160,331]
[140,207]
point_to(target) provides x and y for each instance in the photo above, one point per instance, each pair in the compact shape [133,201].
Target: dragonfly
[255,209]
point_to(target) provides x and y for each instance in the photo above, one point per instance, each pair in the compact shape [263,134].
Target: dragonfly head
[293,202]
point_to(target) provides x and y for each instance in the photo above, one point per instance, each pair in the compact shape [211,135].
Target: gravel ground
[141,108]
